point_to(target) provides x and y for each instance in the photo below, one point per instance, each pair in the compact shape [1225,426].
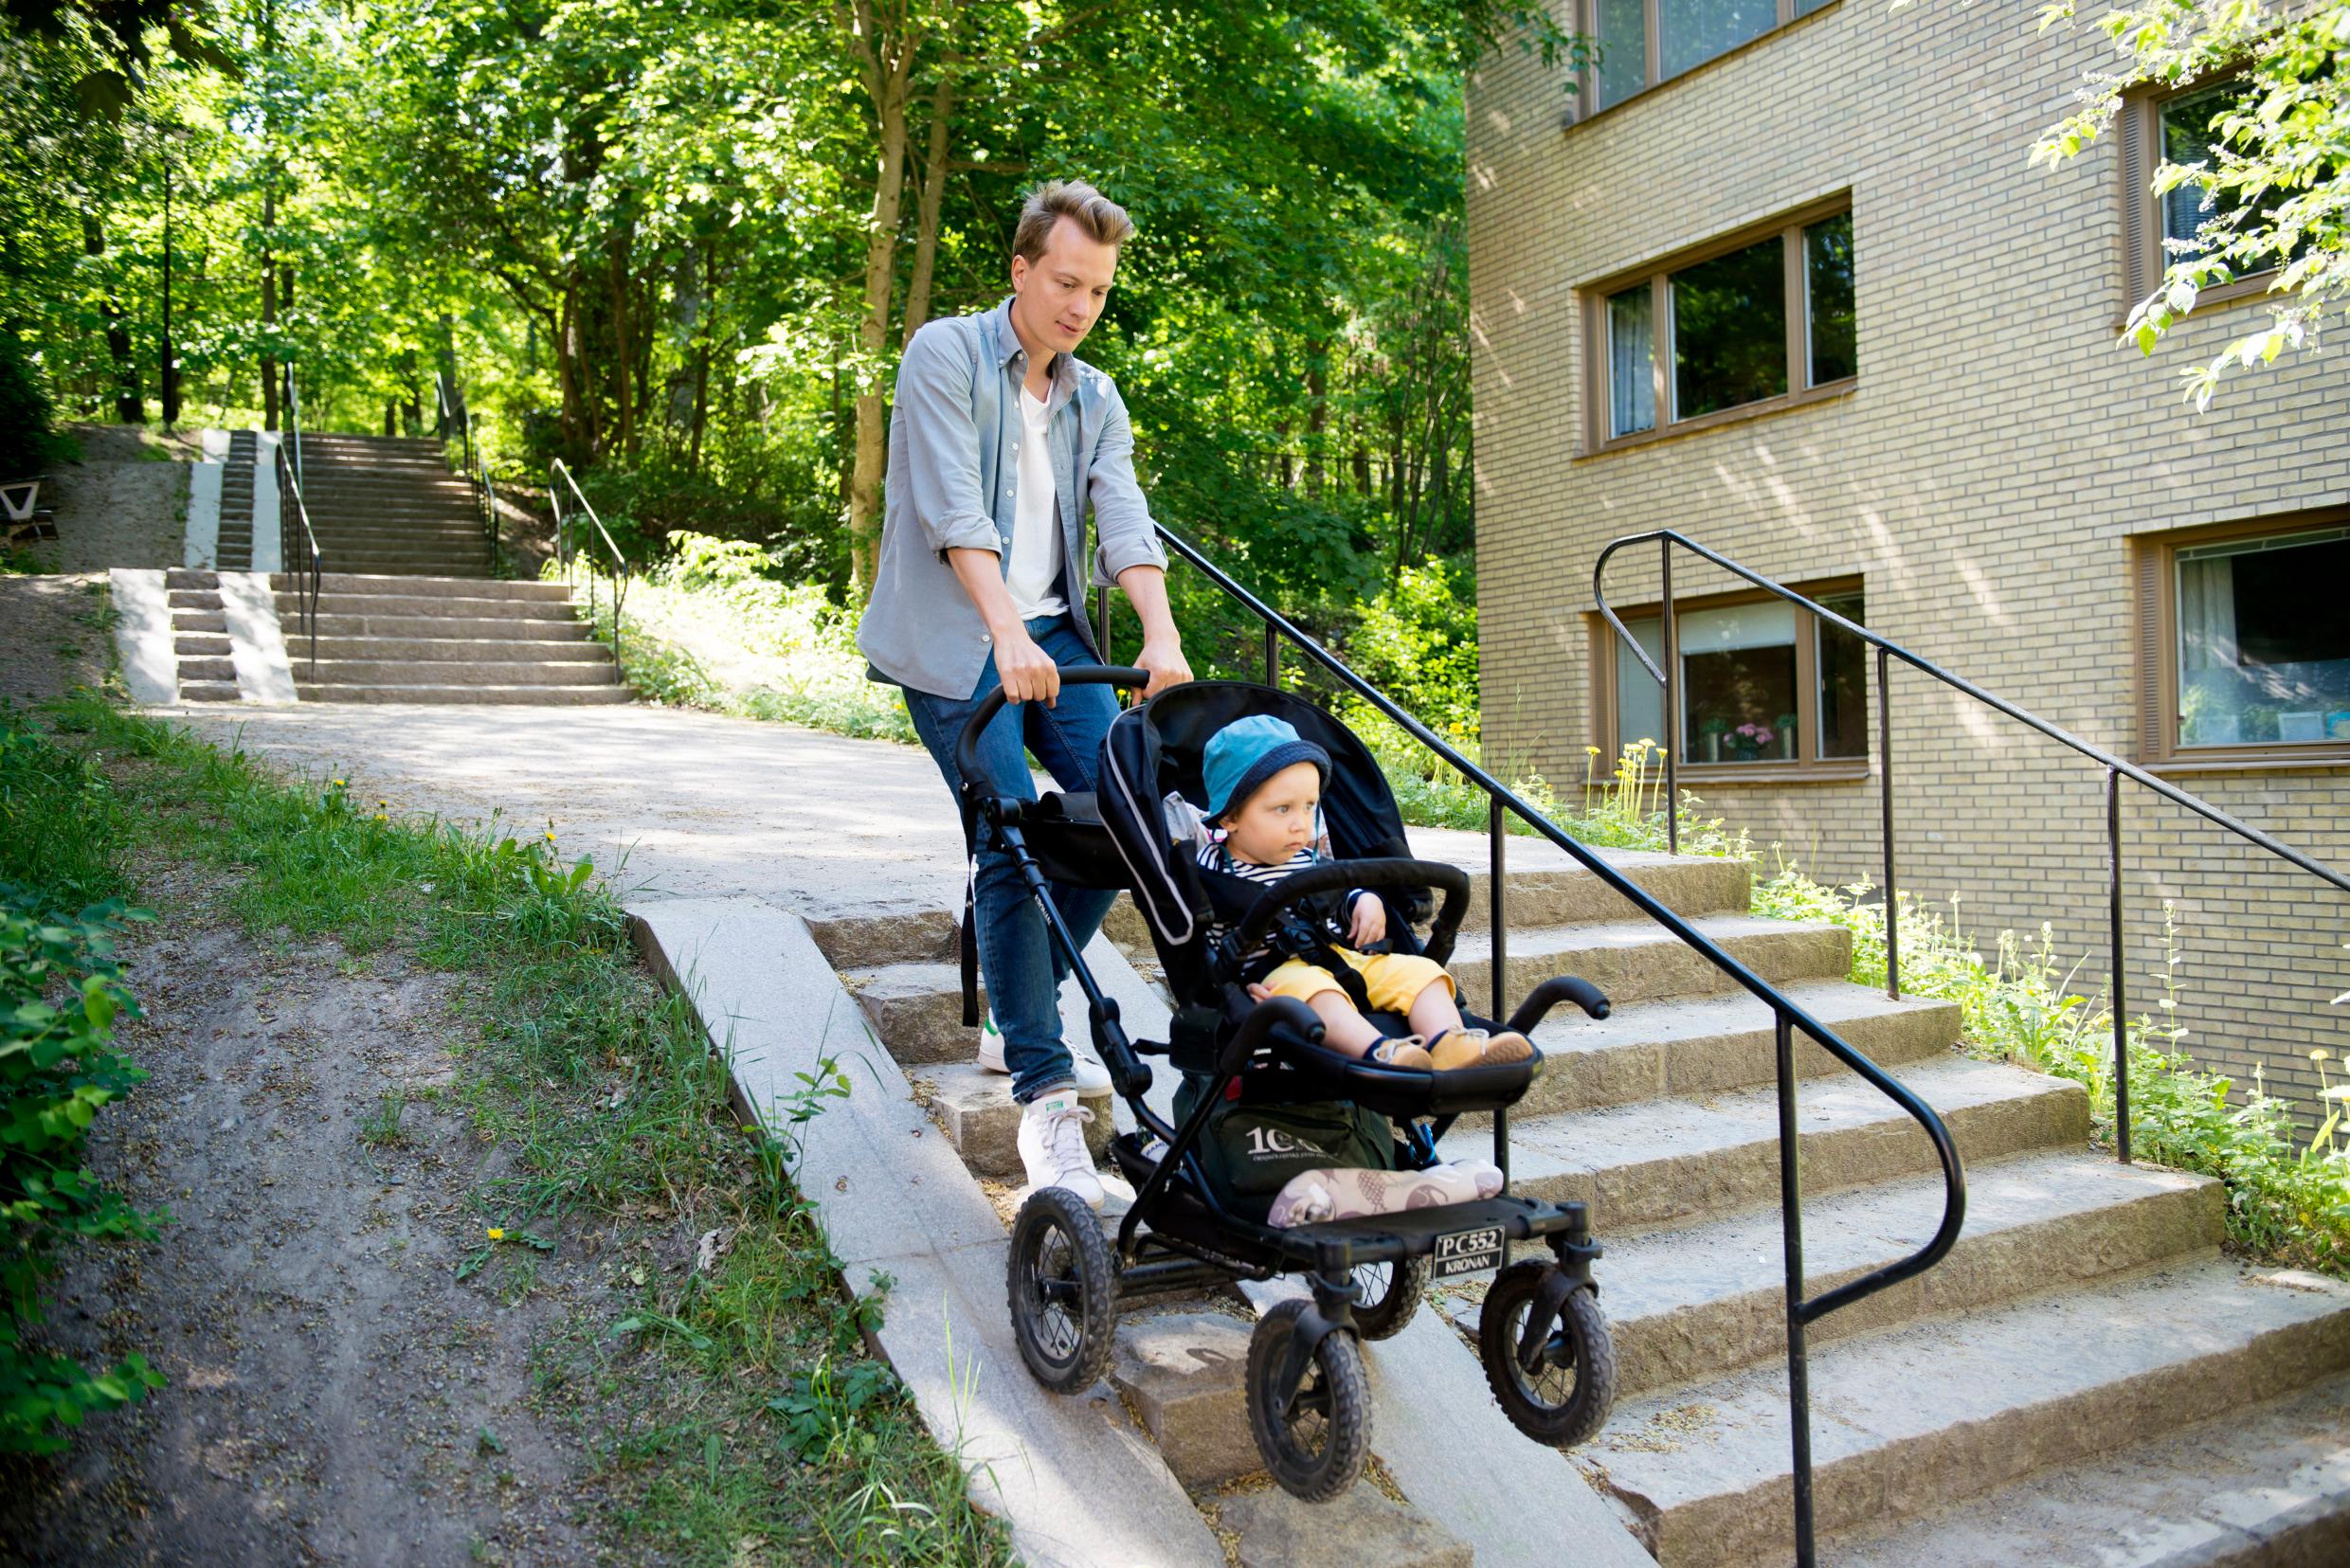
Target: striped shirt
[1215,856]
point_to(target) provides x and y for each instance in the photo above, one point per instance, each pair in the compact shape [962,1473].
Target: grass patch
[731,1407]
[2288,1200]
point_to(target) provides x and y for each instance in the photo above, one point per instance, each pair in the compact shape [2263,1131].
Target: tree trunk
[1317,411]
[616,269]
[934,192]
[885,62]
[130,404]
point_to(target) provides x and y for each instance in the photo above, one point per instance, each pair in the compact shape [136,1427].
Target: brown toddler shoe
[1405,1052]
[1457,1048]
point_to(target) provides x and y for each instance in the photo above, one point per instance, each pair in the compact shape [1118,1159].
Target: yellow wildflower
[381,817]
[2321,1053]
[551,836]
[496,1234]
[337,783]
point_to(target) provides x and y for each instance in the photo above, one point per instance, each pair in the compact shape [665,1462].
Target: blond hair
[1103,220]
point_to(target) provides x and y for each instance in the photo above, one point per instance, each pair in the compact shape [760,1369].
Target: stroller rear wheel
[1391,1293]
[1316,1447]
[1063,1291]
[1565,1399]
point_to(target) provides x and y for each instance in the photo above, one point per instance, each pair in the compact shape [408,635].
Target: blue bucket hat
[1247,752]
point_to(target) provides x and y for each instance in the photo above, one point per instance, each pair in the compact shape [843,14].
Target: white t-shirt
[1033,574]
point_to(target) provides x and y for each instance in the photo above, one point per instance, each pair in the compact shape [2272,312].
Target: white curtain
[1631,356]
[2207,613]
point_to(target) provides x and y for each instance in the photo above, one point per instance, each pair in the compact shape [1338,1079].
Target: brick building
[1786,282]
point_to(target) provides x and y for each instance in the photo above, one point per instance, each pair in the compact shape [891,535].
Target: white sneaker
[1052,1145]
[1093,1078]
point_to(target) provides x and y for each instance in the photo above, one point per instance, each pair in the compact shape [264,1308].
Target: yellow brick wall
[1984,478]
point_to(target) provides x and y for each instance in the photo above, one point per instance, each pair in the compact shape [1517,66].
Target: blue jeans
[1022,967]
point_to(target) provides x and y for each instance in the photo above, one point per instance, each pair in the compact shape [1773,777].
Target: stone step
[1185,1376]
[193,599]
[551,697]
[1701,1300]
[439,602]
[1362,1527]
[199,621]
[211,668]
[916,1009]
[1707,1045]
[496,627]
[397,672]
[210,691]
[1662,1162]
[2262,1488]
[1634,961]
[976,1110]
[1545,887]
[187,645]
[191,577]
[1929,1414]
[520,647]
[472,588]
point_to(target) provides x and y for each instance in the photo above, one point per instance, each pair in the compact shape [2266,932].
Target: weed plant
[61,994]
[748,1408]
[2286,1200]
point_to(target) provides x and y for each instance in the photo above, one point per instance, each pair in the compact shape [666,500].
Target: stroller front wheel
[1565,1397]
[1063,1291]
[1315,1448]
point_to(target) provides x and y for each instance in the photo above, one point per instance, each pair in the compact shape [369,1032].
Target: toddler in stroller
[1279,1077]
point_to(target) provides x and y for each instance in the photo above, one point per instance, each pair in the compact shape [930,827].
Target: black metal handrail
[471,463]
[2116,770]
[569,557]
[1786,1016]
[1887,650]
[297,552]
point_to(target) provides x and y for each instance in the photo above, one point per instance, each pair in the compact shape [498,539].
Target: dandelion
[381,817]
[2320,1054]
[338,784]
[496,1234]
[551,836]
[1593,749]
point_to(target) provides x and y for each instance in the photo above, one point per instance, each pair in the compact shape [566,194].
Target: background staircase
[236,514]
[2085,1379]
[408,610]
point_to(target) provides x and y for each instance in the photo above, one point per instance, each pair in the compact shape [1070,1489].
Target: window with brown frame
[2175,128]
[1768,692]
[2244,644]
[1639,44]
[1759,320]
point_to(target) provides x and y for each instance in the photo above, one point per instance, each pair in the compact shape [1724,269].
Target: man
[999,439]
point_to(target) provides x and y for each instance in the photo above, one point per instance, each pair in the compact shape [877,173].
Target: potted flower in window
[1711,733]
[1786,735]
[1749,741]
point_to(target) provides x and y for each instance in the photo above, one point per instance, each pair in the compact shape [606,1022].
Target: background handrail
[304,564]
[472,464]
[1787,1018]
[570,556]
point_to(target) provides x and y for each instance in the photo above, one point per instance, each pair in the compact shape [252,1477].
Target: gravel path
[49,636]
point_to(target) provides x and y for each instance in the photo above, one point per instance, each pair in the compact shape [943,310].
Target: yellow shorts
[1392,981]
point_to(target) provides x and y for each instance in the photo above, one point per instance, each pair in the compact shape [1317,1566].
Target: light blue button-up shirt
[954,465]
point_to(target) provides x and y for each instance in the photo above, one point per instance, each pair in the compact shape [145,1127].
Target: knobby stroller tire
[1383,1316]
[1559,1411]
[1316,1453]
[1063,1287]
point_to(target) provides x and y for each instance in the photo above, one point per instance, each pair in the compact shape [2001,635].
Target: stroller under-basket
[1542,1337]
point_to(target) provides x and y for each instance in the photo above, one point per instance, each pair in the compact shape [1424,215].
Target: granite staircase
[2086,1378]
[408,610]
[475,640]
[235,551]
[200,639]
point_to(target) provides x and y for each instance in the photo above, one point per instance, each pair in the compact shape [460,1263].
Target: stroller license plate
[1468,1252]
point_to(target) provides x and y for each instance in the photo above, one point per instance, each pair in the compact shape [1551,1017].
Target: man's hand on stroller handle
[1027,671]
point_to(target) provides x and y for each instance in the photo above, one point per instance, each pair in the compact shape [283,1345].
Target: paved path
[685,804]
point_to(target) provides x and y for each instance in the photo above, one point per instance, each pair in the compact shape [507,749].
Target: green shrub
[61,992]
[29,439]
[2286,1201]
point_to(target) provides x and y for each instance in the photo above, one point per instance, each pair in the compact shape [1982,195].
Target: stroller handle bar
[966,744]
[1337,876]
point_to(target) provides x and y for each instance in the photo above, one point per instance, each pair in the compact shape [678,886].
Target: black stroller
[1541,1336]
